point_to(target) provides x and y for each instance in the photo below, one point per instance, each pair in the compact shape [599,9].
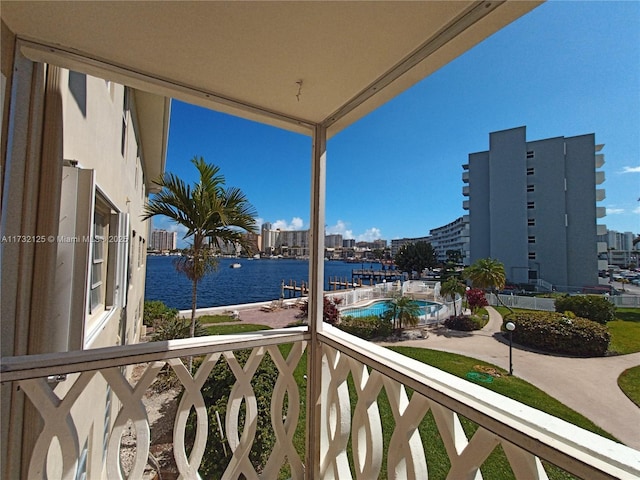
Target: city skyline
[561,70]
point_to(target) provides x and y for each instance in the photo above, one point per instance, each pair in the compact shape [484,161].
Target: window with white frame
[108,263]
[97,285]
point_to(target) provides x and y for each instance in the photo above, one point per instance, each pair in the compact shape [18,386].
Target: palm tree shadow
[161,441]
[442,331]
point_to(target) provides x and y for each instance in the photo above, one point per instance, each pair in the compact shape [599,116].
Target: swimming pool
[379,307]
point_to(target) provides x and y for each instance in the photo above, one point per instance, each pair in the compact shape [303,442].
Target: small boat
[235,265]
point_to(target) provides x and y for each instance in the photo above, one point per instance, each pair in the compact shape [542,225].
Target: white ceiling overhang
[288,64]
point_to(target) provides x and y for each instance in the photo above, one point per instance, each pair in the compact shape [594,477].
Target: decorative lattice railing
[382,415]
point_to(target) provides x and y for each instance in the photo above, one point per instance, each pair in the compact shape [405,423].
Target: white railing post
[316,304]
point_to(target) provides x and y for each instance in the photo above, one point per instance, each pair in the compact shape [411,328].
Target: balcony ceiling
[247,58]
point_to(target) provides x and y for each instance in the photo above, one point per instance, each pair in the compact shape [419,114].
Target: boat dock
[377,276]
[292,289]
[338,283]
[359,278]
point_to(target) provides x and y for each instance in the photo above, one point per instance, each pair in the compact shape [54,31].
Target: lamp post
[466,297]
[511,327]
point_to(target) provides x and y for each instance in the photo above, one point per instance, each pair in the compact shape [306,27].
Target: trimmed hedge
[463,323]
[555,333]
[367,328]
[593,307]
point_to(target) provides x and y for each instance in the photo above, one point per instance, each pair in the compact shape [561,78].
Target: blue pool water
[381,306]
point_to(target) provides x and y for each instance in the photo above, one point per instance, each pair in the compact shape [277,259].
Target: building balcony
[337,407]
[599,160]
[600,194]
[465,190]
[601,212]
[465,176]
[602,247]
[601,229]
[465,204]
[600,178]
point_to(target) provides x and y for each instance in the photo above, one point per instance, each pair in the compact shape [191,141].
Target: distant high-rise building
[398,243]
[163,240]
[294,243]
[349,243]
[620,250]
[532,206]
[333,240]
[619,240]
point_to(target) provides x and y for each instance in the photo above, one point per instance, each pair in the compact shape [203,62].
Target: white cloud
[340,228]
[370,235]
[614,211]
[296,224]
[630,169]
[636,210]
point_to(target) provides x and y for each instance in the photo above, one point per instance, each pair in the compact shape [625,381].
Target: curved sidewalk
[587,385]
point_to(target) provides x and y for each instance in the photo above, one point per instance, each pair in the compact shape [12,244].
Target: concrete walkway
[587,385]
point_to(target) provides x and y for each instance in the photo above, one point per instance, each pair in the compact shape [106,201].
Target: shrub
[330,312]
[463,323]
[476,299]
[155,310]
[367,327]
[555,333]
[172,328]
[215,393]
[593,307]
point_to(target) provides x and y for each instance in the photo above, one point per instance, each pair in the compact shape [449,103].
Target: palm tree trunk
[501,302]
[192,326]
[194,297]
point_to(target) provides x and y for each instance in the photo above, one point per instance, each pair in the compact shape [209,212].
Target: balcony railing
[357,377]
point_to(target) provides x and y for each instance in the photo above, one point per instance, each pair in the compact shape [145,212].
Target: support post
[316,294]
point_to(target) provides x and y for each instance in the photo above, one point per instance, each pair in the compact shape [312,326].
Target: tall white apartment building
[452,236]
[163,240]
[532,206]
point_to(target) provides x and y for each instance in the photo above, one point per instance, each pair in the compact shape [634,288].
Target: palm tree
[487,273]
[450,288]
[404,312]
[208,210]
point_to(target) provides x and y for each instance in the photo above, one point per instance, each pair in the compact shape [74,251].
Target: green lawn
[208,319]
[629,382]
[625,331]
[497,466]
[231,329]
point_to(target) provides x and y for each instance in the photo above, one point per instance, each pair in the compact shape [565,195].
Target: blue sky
[565,69]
